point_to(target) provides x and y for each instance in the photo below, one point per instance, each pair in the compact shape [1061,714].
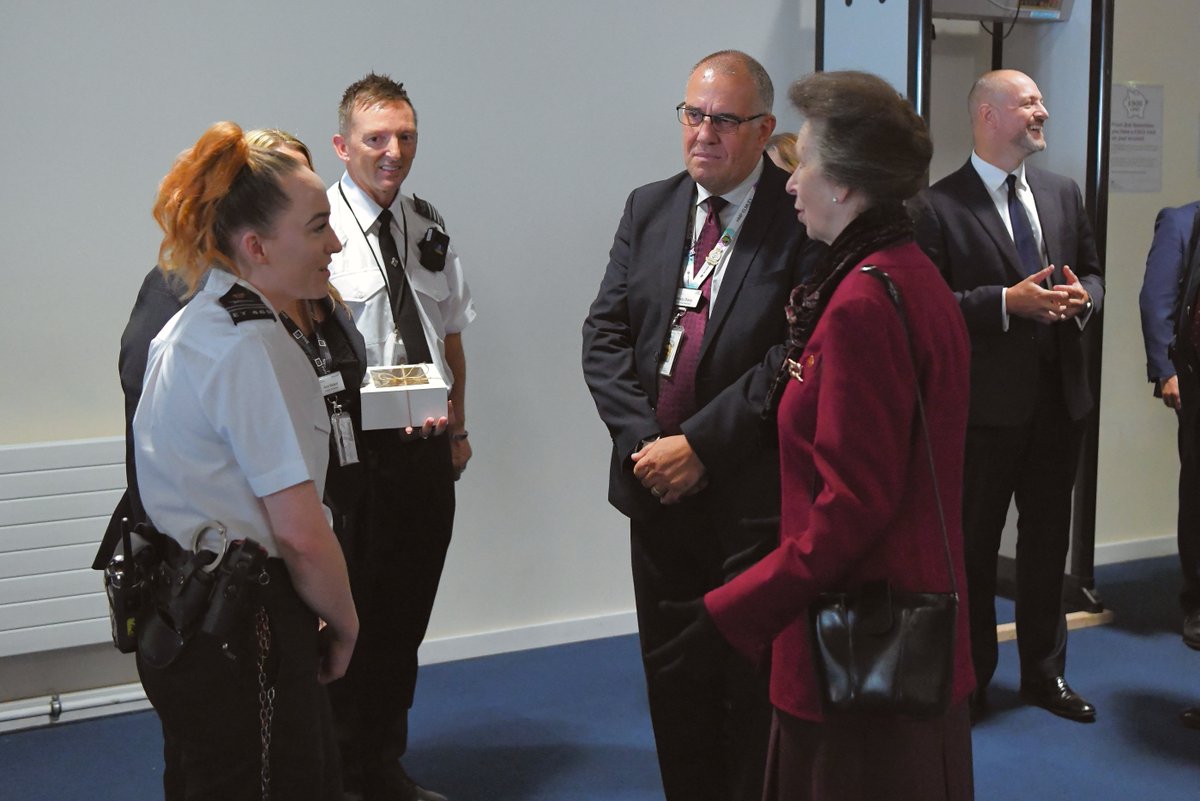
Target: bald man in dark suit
[1015,245]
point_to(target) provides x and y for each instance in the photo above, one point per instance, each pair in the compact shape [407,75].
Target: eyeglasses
[721,123]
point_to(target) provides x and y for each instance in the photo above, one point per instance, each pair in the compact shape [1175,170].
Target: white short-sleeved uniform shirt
[443,298]
[230,413]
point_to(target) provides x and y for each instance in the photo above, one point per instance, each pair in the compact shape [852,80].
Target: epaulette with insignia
[426,210]
[243,305]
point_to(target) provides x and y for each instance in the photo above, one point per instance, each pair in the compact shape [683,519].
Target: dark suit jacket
[626,328]
[1184,352]
[961,231]
[1163,286]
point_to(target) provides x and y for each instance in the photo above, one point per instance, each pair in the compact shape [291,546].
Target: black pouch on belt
[239,577]
[182,598]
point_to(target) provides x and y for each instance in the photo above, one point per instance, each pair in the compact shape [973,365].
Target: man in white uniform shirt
[403,282]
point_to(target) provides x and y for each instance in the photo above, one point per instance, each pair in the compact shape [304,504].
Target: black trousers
[395,542]
[711,733]
[1188,532]
[210,712]
[1035,463]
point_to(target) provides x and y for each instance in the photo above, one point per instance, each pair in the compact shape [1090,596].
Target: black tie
[1021,230]
[404,305]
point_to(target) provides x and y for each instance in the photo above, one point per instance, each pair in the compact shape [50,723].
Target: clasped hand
[669,468]
[1030,299]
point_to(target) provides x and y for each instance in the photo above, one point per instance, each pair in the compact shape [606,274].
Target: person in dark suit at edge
[1015,244]
[1167,271]
[679,349]
[1170,331]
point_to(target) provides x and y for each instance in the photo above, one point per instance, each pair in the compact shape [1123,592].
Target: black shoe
[977,705]
[1057,696]
[1191,629]
[1190,717]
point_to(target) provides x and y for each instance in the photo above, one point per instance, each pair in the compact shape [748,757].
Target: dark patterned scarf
[877,228]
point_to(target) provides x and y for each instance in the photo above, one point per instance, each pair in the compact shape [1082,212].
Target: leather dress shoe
[1191,629]
[1055,695]
[1190,717]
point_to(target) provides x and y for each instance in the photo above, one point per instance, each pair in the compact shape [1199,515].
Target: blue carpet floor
[569,723]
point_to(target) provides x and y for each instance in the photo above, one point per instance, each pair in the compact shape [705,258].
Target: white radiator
[55,501]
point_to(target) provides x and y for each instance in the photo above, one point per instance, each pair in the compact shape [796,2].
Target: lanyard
[692,280]
[403,254]
[320,355]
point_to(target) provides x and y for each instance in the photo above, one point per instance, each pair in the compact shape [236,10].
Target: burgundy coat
[858,500]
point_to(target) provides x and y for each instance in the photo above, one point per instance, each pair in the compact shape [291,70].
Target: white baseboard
[1111,553]
[30,713]
[469,646]
[27,713]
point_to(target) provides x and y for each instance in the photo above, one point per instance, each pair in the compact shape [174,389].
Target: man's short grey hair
[731,62]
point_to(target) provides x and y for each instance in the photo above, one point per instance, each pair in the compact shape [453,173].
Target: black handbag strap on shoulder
[893,293]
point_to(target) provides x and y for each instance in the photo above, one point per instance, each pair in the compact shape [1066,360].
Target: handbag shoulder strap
[893,293]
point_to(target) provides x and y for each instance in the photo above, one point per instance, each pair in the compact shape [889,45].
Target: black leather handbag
[879,650]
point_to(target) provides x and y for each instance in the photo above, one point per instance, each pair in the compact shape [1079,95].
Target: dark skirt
[871,757]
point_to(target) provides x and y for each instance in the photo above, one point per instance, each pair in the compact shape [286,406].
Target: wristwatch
[643,443]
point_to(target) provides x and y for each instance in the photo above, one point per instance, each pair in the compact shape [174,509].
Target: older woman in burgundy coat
[858,497]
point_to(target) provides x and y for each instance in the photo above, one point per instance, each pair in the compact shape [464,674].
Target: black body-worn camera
[433,250]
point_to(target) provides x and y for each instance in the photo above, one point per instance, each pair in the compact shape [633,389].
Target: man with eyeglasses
[679,349]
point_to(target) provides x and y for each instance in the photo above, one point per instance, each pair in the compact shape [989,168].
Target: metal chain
[266,697]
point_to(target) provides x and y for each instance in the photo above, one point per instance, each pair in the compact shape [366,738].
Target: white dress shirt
[443,299]
[733,198]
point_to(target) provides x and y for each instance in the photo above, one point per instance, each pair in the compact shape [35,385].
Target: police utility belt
[163,596]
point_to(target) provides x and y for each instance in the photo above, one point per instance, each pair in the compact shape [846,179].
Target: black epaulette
[242,305]
[426,210]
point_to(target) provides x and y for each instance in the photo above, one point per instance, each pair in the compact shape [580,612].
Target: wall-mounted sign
[1136,138]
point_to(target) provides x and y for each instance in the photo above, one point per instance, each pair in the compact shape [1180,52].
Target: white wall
[1154,42]
[536,119]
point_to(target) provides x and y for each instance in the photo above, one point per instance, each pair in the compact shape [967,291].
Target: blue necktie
[1022,232]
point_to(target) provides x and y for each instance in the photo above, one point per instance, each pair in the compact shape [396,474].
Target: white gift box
[403,395]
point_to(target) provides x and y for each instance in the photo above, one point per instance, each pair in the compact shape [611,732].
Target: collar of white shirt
[995,179]
[364,207]
[736,195]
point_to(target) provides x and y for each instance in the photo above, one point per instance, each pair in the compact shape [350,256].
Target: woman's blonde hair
[275,138]
[785,145]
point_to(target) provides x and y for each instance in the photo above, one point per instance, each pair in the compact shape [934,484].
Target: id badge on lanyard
[343,436]
[674,340]
[689,296]
[331,381]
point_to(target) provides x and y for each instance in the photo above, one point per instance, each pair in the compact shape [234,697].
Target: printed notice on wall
[1136,138]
